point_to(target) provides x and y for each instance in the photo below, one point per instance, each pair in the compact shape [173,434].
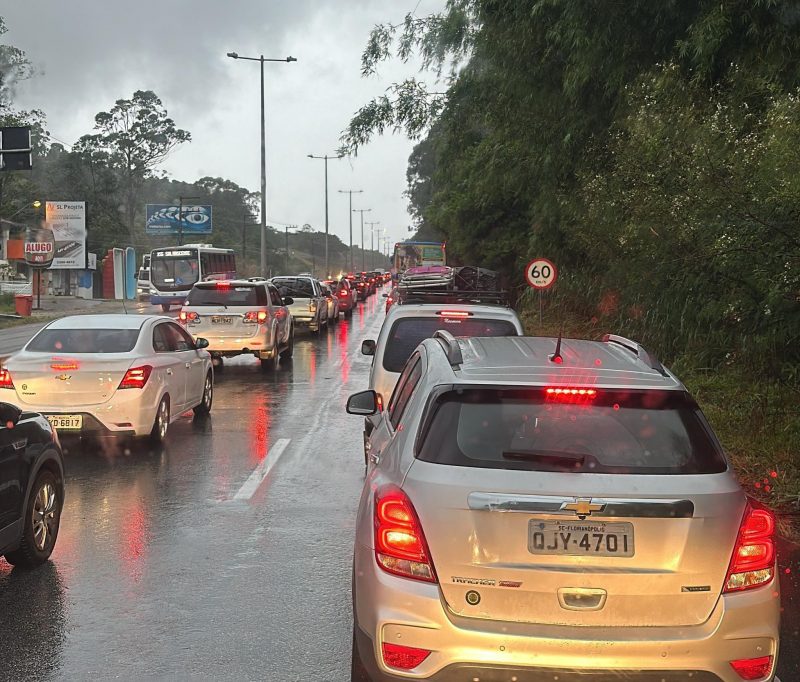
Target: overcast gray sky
[91,52]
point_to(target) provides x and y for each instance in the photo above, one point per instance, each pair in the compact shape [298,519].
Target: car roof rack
[451,296]
[450,346]
[635,347]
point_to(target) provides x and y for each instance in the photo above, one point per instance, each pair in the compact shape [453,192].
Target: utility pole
[373,230]
[325,158]
[362,211]
[351,192]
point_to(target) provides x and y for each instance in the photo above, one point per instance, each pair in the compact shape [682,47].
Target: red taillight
[400,546]
[185,317]
[403,657]
[256,317]
[380,402]
[454,313]
[136,377]
[343,293]
[223,284]
[63,365]
[5,379]
[570,393]
[752,668]
[753,561]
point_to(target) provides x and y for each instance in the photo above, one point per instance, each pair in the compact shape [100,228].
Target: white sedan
[127,375]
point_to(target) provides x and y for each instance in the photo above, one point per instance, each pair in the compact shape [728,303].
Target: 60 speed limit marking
[541,273]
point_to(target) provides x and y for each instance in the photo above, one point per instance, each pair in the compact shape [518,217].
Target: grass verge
[757,421]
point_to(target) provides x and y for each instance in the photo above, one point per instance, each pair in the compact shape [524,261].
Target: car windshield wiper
[567,460]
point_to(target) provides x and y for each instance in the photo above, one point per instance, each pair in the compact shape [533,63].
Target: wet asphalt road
[166,569]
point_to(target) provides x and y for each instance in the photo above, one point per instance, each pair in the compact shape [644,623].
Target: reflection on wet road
[169,566]
[226,555]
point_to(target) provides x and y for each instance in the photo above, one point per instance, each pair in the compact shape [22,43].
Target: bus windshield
[174,269]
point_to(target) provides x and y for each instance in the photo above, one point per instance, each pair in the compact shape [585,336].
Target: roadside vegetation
[652,151]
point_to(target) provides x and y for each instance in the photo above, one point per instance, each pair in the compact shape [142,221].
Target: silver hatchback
[546,510]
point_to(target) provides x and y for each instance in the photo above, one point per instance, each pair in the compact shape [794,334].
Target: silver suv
[539,510]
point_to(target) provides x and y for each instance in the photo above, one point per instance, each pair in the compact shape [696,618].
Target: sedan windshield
[294,287]
[84,341]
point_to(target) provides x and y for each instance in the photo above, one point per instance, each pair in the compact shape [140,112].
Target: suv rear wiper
[567,460]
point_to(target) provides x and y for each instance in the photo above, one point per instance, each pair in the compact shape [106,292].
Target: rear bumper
[231,346]
[93,426]
[164,299]
[396,610]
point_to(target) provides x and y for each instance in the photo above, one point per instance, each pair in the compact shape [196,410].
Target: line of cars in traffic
[546,509]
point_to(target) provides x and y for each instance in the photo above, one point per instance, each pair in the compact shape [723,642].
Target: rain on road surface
[225,555]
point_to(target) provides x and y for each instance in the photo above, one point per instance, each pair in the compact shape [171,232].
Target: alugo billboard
[40,247]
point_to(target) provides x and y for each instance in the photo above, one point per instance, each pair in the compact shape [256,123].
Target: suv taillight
[753,561]
[136,377]
[255,317]
[5,379]
[185,317]
[400,546]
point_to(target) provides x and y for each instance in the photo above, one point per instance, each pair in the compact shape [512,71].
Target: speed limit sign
[541,273]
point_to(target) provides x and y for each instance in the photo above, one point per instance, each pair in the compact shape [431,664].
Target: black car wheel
[161,422]
[41,522]
[165,307]
[208,396]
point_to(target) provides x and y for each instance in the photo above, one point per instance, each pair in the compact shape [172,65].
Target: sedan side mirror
[9,415]
[288,300]
[200,342]
[368,347]
[364,403]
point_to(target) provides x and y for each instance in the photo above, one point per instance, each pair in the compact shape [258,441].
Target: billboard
[67,220]
[39,247]
[163,219]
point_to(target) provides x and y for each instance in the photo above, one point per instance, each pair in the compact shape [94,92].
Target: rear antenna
[557,357]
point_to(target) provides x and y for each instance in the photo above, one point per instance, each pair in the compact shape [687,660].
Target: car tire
[165,307]
[267,364]
[207,400]
[288,352]
[40,523]
[161,422]
[358,672]
[348,313]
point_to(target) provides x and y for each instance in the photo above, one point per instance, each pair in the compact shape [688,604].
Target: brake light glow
[454,313]
[400,546]
[63,365]
[185,317]
[343,293]
[223,284]
[753,560]
[380,402]
[136,377]
[752,668]
[567,393]
[403,657]
[255,317]
[5,379]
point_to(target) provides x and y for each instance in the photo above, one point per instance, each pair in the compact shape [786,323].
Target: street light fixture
[351,192]
[362,211]
[261,59]
[325,158]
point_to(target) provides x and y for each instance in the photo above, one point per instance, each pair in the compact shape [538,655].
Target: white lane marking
[252,484]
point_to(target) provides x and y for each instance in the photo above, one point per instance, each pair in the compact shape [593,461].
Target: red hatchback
[346,293]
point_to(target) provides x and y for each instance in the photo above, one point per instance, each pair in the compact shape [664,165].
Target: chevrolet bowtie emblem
[64,377]
[584,507]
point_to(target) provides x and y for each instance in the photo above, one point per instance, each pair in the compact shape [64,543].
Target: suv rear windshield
[408,332]
[84,341]
[294,287]
[233,295]
[625,432]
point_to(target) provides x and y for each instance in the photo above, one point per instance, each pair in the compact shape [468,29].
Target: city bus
[410,254]
[175,269]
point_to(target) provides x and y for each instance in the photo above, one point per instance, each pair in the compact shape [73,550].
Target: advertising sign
[163,219]
[67,220]
[39,247]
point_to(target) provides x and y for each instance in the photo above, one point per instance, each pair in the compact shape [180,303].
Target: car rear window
[624,432]
[294,287]
[84,341]
[407,333]
[234,295]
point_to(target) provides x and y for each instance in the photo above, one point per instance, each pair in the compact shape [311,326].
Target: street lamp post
[362,211]
[261,59]
[351,192]
[325,158]
[373,230]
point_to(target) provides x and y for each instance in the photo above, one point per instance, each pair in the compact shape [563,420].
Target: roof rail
[638,349]
[449,346]
[452,296]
